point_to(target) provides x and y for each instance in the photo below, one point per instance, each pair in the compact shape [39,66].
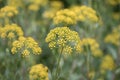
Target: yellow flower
[107,63]
[63,37]
[65,17]
[114,37]
[49,14]
[11,35]
[56,5]
[8,11]
[35,5]
[40,2]
[11,31]
[85,13]
[93,45]
[116,15]
[91,74]
[38,72]
[26,46]
[67,50]
[113,2]
[15,3]
[25,53]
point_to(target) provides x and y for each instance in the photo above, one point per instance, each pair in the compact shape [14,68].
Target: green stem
[57,68]
[88,61]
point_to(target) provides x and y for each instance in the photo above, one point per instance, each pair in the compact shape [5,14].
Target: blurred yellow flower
[8,11]
[56,5]
[85,13]
[38,72]
[113,2]
[35,5]
[116,15]
[49,14]
[15,3]
[11,31]
[25,46]
[91,74]
[114,37]
[65,17]
[107,63]
[93,45]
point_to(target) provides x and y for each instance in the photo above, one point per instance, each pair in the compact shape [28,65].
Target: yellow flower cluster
[36,4]
[38,72]
[116,15]
[65,17]
[8,11]
[114,37]
[113,2]
[91,74]
[64,38]
[15,3]
[85,13]
[11,31]
[107,63]
[56,5]
[49,14]
[25,46]
[93,45]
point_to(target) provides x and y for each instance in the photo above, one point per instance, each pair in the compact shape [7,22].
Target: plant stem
[57,68]
[88,61]
[90,3]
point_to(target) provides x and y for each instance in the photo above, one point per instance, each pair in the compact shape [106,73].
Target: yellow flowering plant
[114,36]
[66,41]
[38,72]
[8,11]
[85,13]
[59,40]
[107,63]
[25,46]
[93,46]
[11,31]
[65,17]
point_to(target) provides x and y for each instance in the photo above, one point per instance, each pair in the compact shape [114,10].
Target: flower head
[113,2]
[35,5]
[25,46]
[63,37]
[107,63]
[114,37]
[8,11]
[11,31]
[85,13]
[15,3]
[38,72]
[65,17]
[93,45]
[56,5]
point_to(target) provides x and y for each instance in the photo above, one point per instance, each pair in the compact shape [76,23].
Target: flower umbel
[8,11]
[114,37]
[25,46]
[85,13]
[63,37]
[11,31]
[93,45]
[38,72]
[107,63]
[65,17]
